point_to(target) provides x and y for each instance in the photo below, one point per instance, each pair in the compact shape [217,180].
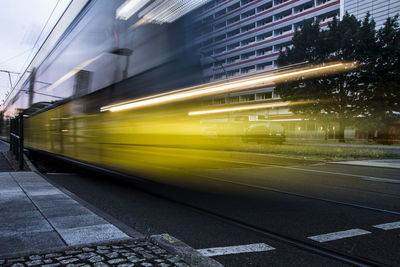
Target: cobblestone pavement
[132,253]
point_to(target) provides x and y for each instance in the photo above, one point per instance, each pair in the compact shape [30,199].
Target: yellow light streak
[248,107]
[284,120]
[217,89]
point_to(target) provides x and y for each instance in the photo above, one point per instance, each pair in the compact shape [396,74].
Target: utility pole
[9,78]
[9,75]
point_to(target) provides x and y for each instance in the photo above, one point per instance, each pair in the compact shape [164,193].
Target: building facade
[380,10]
[245,36]
[242,37]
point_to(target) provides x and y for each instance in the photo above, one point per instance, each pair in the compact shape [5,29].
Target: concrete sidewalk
[41,225]
[382,163]
[36,215]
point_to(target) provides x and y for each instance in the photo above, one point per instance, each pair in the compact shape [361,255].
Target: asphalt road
[254,201]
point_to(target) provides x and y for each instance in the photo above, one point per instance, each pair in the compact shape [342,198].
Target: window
[233,7]
[302,8]
[233,46]
[219,101]
[282,31]
[220,37]
[249,55]
[278,2]
[248,41]
[220,13]
[264,51]
[264,21]
[219,50]
[264,36]
[248,27]
[234,19]
[283,15]
[249,69]
[262,96]
[234,99]
[264,7]
[208,19]
[232,59]
[247,98]
[219,76]
[233,73]
[233,33]
[248,13]
[244,2]
[219,63]
[220,25]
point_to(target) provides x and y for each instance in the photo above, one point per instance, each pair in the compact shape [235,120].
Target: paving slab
[43,225]
[35,215]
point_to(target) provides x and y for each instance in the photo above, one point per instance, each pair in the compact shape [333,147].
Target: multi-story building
[245,36]
[241,37]
[380,10]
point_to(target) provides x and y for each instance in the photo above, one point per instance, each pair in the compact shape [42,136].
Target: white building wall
[379,9]
[245,36]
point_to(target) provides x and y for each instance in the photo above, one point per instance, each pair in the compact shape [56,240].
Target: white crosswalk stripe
[388,226]
[338,235]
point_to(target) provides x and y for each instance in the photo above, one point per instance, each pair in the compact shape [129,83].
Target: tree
[352,97]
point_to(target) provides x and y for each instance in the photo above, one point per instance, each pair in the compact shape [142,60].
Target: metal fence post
[21,140]
[11,137]
[17,138]
[14,138]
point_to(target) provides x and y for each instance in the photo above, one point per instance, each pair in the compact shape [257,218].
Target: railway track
[148,187]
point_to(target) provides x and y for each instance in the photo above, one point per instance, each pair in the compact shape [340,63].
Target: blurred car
[265,133]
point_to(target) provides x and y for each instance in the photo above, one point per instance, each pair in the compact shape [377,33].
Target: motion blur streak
[163,142]
[227,87]
[73,72]
[249,107]
[167,11]
[129,8]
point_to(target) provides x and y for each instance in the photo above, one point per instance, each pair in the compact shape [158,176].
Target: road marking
[60,173]
[363,177]
[338,235]
[258,247]
[388,226]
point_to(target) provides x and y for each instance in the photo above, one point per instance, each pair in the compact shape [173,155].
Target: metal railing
[17,138]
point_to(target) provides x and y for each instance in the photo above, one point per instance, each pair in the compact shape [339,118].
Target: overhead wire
[40,35]
[33,48]
[15,56]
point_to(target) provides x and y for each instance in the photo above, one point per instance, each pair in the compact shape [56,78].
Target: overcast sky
[22,24]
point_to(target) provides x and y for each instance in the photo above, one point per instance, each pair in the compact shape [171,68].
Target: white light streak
[239,108]
[129,8]
[167,11]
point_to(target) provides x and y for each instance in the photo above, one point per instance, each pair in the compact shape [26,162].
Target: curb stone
[187,253]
